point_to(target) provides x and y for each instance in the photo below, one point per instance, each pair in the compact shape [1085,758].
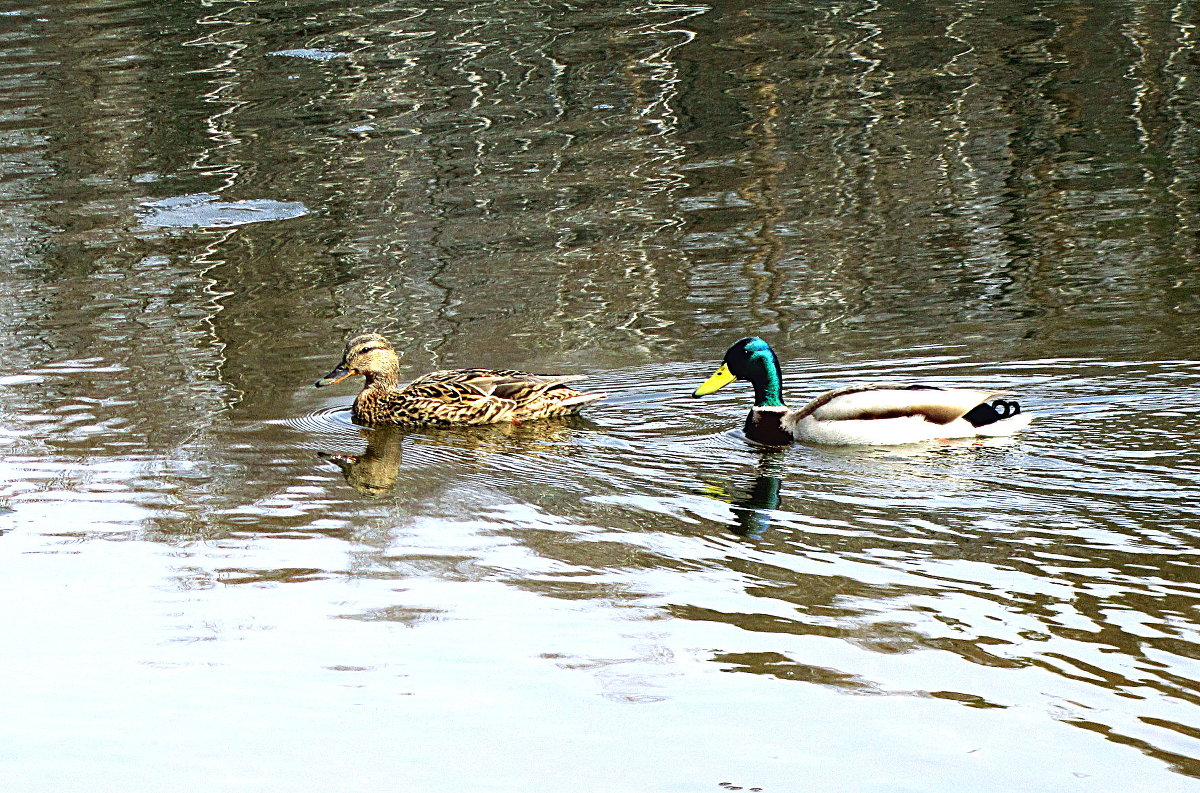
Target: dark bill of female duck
[337,375]
[866,414]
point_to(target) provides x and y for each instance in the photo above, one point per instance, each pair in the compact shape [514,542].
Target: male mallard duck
[870,414]
[452,396]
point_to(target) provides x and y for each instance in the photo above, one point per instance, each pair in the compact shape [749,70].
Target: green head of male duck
[370,355]
[750,359]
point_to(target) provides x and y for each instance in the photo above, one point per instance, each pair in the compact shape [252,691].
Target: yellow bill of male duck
[870,414]
[450,396]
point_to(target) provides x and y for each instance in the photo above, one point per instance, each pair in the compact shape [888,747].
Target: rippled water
[214,579]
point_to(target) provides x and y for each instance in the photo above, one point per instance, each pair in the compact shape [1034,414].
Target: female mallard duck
[870,414]
[453,396]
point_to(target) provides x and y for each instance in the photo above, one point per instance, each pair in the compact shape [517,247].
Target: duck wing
[471,384]
[894,400]
[484,396]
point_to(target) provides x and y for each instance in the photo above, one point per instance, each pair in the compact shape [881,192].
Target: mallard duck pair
[871,414]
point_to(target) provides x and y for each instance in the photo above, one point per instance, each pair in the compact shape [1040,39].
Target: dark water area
[213,579]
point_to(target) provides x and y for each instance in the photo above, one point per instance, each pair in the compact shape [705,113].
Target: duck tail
[582,399]
[1006,426]
[986,413]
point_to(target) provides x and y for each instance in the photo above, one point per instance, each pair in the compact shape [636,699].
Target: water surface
[215,580]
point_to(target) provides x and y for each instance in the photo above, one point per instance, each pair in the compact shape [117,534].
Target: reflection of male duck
[752,512]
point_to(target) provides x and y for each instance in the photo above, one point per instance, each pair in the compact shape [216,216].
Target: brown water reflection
[199,203]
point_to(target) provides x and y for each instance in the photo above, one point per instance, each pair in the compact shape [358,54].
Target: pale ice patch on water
[309,54]
[204,210]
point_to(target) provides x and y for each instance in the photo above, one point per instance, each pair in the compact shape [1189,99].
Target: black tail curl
[989,413]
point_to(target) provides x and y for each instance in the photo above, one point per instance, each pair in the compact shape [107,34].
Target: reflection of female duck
[870,414]
[453,396]
[377,469]
[374,472]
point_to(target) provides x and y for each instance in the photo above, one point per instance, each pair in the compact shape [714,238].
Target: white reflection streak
[207,261]
[1140,88]
[225,81]
[658,172]
[858,54]
[1176,66]
[659,110]
[961,134]
[476,84]
[867,153]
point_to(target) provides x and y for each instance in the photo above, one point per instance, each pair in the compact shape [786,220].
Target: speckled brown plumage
[450,396]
